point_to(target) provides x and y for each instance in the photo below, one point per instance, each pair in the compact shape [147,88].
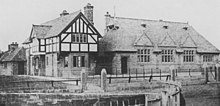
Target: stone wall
[155,62]
[8,70]
[51,64]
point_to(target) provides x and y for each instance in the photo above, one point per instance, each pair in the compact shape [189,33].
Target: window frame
[5,65]
[208,58]
[79,38]
[79,61]
[66,61]
[144,55]
[188,56]
[167,55]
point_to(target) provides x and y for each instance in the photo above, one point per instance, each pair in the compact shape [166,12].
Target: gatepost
[217,72]
[205,67]
[83,80]
[146,100]
[164,96]
[172,73]
[178,96]
[104,79]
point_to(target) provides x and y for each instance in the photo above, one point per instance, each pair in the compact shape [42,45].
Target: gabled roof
[40,31]
[55,27]
[60,23]
[16,55]
[167,41]
[189,42]
[144,41]
[130,29]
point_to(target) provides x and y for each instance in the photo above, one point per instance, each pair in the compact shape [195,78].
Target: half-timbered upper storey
[67,33]
[36,40]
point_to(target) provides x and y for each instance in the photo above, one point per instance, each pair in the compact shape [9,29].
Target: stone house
[63,46]
[12,62]
[140,44]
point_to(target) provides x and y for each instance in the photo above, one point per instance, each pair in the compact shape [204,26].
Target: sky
[18,16]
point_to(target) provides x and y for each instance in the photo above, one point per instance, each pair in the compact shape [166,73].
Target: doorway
[21,68]
[124,65]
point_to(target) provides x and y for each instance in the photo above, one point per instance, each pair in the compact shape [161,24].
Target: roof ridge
[151,20]
[42,25]
[45,23]
[16,52]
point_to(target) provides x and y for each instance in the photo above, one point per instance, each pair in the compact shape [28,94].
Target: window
[47,61]
[207,58]
[75,59]
[66,61]
[188,56]
[5,64]
[143,55]
[79,38]
[167,55]
[37,63]
[78,61]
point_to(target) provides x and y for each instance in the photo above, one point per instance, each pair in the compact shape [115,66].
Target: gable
[144,40]
[81,25]
[189,42]
[167,41]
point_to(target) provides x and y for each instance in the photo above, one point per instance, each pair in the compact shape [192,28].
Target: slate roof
[127,37]
[53,27]
[60,23]
[16,55]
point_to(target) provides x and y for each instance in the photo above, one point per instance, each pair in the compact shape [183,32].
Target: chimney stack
[107,18]
[12,46]
[88,12]
[64,13]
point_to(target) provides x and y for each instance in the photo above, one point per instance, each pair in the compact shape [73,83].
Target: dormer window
[165,27]
[143,25]
[113,27]
[185,28]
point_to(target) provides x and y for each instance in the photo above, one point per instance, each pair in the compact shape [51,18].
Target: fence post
[83,80]
[116,72]
[110,79]
[151,71]
[129,72]
[172,73]
[129,79]
[176,72]
[136,73]
[160,74]
[103,79]
[189,73]
[143,73]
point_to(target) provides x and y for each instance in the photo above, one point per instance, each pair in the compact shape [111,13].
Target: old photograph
[109,53]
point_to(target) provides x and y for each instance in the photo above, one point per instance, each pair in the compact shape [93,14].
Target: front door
[21,68]
[124,65]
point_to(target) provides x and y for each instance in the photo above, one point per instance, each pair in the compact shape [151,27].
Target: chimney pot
[64,13]
[12,46]
[88,12]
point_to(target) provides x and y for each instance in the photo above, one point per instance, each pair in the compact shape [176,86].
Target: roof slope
[40,31]
[59,24]
[130,30]
[52,28]
[16,55]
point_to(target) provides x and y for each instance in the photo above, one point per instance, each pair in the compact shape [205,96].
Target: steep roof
[16,55]
[130,30]
[59,24]
[53,27]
